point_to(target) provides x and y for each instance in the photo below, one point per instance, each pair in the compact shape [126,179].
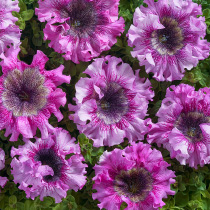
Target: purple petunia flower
[184,125]
[136,175]
[41,168]
[113,101]
[28,96]
[3,180]
[9,32]
[81,29]
[168,37]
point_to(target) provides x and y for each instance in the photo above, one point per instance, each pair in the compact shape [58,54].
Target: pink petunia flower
[168,37]
[3,180]
[113,102]
[184,125]
[136,175]
[28,96]
[9,32]
[81,29]
[41,168]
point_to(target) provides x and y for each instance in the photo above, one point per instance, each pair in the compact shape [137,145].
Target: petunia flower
[42,169]
[136,175]
[9,32]
[168,37]
[112,103]
[29,95]
[184,125]
[81,29]
[3,180]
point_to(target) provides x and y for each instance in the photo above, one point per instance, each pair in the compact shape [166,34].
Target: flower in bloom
[113,102]
[168,37]
[28,96]
[184,125]
[3,180]
[9,32]
[136,175]
[42,169]
[81,29]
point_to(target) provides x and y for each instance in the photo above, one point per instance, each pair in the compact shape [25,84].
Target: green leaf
[12,200]
[16,14]
[206,13]
[70,68]
[20,205]
[27,15]
[181,184]
[97,151]
[206,204]
[71,126]
[82,66]
[181,199]
[23,50]
[47,201]
[205,194]
[25,43]
[123,206]
[21,24]
[170,202]
[37,41]
[82,139]
[10,208]
[27,205]
[195,204]
[22,6]
[2,201]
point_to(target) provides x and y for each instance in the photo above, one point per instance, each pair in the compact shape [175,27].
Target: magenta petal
[39,60]
[24,127]
[3,181]
[45,170]
[41,168]
[168,37]
[183,125]
[117,172]
[36,95]
[107,107]
[87,42]
[57,77]
[9,32]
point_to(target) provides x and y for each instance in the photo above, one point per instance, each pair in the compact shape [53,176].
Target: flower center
[83,17]
[135,184]
[189,125]
[49,157]
[24,96]
[113,105]
[24,92]
[169,39]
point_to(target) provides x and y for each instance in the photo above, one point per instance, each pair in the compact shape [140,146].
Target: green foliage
[126,10]
[192,189]
[199,76]
[23,15]
[205,8]
[90,153]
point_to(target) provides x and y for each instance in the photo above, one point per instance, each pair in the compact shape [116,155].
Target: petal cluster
[9,32]
[183,125]
[81,29]
[112,103]
[136,175]
[41,167]
[168,37]
[29,95]
[3,180]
